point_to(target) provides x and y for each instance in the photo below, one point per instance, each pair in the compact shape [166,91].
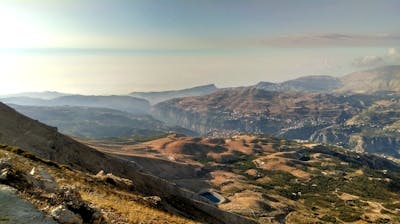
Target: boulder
[65,216]
[5,163]
[45,180]
[5,169]
[13,209]
[115,180]
[153,200]
[70,197]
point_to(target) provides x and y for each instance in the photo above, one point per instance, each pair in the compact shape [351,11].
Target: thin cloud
[333,39]
[391,57]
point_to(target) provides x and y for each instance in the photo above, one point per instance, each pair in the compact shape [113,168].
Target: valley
[361,121]
[273,180]
[200,112]
[323,109]
[92,122]
[303,151]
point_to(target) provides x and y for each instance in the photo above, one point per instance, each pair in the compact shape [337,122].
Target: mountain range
[41,143]
[122,103]
[385,78]
[91,122]
[357,110]
[241,179]
[46,95]
[316,108]
[156,97]
[315,149]
[306,83]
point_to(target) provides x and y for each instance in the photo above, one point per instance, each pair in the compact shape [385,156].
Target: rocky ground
[16,210]
[33,190]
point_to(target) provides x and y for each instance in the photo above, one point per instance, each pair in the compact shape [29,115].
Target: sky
[121,46]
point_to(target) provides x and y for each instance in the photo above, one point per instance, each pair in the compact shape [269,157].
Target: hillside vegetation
[274,180]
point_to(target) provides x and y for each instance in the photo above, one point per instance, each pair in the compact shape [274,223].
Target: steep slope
[375,129]
[33,190]
[122,103]
[254,110]
[293,115]
[386,78]
[89,122]
[45,142]
[156,97]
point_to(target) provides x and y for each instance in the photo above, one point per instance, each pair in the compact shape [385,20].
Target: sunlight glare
[18,30]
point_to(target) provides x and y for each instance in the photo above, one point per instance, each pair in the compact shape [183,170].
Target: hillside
[306,83]
[44,143]
[279,181]
[293,115]
[89,122]
[156,97]
[250,109]
[122,103]
[242,179]
[386,78]
[38,191]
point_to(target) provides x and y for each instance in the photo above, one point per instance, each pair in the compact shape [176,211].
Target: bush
[327,218]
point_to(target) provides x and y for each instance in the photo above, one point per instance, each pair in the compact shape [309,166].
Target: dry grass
[127,211]
[118,205]
[274,161]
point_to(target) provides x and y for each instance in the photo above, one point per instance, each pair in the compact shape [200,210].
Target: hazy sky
[120,46]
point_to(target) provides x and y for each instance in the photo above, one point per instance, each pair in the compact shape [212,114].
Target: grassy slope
[118,205]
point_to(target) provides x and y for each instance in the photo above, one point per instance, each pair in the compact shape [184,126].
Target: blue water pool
[210,197]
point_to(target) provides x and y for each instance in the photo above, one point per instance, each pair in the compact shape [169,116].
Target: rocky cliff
[322,117]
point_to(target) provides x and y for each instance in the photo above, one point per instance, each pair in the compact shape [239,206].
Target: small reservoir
[212,196]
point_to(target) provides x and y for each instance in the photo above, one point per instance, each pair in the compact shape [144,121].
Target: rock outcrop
[17,210]
[64,204]
[64,216]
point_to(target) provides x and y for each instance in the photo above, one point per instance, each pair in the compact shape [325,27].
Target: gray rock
[13,209]
[155,200]
[5,169]
[100,173]
[44,179]
[65,216]
[4,174]
[5,163]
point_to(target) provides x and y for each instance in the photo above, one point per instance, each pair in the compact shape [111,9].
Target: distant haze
[121,46]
